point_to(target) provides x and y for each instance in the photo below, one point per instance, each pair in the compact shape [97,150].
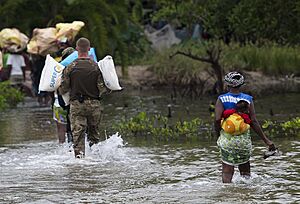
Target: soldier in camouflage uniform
[83,79]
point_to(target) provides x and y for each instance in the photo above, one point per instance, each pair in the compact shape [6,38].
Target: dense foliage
[237,20]
[115,27]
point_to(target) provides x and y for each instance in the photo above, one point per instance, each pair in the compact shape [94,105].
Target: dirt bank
[256,82]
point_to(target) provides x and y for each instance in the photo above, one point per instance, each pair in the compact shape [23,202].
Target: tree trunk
[213,59]
[219,74]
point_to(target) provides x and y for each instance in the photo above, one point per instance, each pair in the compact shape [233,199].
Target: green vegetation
[9,96]
[179,70]
[288,128]
[258,35]
[269,59]
[199,76]
[237,20]
[159,128]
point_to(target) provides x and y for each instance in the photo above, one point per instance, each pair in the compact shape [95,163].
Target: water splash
[109,150]
[47,155]
[253,179]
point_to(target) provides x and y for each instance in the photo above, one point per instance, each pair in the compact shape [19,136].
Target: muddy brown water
[35,169]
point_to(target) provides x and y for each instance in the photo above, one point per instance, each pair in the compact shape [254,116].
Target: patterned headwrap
[234,79]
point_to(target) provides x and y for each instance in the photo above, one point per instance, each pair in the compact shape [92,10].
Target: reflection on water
[35,169]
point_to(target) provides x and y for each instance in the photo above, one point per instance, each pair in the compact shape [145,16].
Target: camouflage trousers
[85,117]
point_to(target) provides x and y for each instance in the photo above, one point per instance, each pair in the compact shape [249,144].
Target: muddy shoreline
[256,83]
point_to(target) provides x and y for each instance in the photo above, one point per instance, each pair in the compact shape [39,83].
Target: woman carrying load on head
[235,142]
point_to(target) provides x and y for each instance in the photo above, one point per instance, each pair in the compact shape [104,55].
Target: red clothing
[228,112]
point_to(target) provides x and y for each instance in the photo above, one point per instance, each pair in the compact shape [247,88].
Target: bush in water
[159,127]
[9,96]
[287,128]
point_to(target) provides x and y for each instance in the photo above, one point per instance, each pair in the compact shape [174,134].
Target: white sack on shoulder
[109,74]
[51,75]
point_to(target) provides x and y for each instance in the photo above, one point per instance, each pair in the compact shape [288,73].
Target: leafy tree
[239,20]
[105,21]
[183,13]
[273,20]
[28,14]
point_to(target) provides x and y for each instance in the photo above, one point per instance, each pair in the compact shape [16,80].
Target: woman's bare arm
[218,116]
[257,128]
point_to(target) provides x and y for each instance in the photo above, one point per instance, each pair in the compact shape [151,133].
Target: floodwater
[35,169]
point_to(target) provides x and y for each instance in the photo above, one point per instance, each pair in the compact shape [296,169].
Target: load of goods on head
[46,40]
[12,40]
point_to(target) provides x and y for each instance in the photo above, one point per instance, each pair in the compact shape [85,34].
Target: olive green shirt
[82,78]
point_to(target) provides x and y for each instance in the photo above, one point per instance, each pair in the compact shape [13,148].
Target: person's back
[17,64]
[84,75]
[84,81]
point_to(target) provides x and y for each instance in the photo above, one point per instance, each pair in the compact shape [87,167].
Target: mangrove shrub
[158,127]
[287,128]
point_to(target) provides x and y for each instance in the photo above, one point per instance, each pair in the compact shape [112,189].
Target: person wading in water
[236,148]
[83,79]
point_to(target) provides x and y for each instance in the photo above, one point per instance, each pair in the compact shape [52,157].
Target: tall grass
[178,70]
[198,77]
[270,59]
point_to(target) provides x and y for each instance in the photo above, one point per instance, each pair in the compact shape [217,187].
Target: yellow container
[235,125]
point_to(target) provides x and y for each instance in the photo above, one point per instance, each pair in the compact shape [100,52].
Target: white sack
[109,74]
[51,75]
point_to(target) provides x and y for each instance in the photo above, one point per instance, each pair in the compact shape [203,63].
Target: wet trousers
[85,117]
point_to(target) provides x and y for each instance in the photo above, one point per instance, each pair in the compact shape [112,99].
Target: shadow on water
[35,169]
